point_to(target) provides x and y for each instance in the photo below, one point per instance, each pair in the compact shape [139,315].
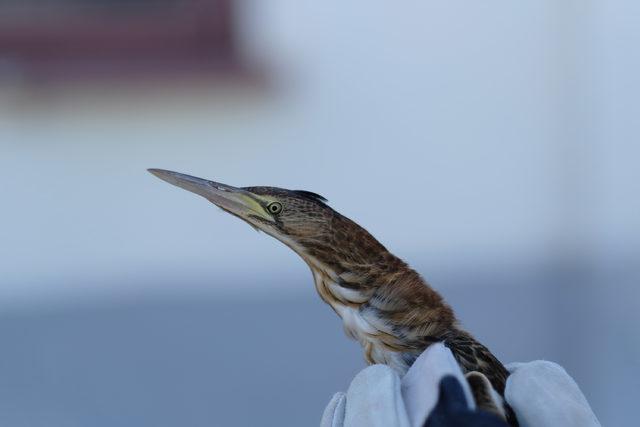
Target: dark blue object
[452,409]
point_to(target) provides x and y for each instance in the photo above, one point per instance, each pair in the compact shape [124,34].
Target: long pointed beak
[232,199]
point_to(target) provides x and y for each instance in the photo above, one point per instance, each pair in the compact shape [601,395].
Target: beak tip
[160,173]
[190,183]
[236,201]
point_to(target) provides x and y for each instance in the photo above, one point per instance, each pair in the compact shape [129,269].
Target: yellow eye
[274,208]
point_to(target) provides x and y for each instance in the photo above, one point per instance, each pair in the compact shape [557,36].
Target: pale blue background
[493,145]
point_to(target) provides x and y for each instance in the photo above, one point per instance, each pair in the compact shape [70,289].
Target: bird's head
[300,219]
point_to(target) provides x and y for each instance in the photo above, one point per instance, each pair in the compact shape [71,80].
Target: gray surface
[205,360]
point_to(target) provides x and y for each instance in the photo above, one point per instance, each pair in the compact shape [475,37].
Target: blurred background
[493,145]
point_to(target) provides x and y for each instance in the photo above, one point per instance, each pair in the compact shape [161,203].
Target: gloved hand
[541,393]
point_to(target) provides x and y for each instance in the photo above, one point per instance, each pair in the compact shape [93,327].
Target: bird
[384,304]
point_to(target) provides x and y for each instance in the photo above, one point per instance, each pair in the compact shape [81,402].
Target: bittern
[384,304]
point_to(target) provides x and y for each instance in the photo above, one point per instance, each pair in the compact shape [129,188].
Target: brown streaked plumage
[483,393]
[384,304]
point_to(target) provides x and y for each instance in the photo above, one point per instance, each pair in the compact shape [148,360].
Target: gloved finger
[542,394]
[421,383]
[333,415]
[374,399]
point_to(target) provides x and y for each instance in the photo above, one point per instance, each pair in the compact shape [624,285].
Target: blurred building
[493,146]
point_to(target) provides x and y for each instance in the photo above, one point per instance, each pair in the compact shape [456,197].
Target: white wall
[450,130]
